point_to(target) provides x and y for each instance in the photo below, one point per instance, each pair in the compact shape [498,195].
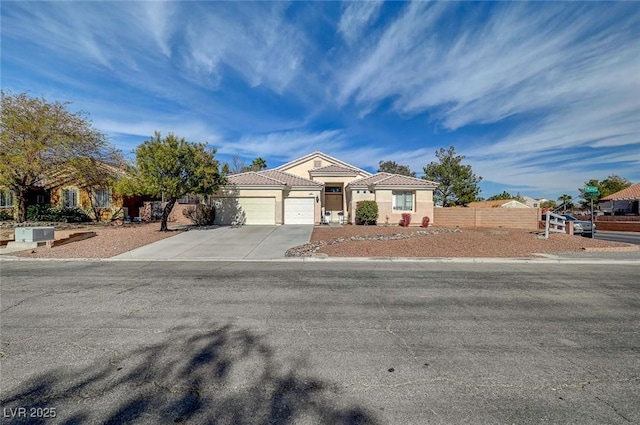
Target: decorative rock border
[311,249]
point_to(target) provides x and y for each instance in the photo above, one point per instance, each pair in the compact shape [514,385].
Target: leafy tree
[93,175]
[38,138]
[548,205]
[458,185]
[506,196]
[606,187]
[226,170]
[172,167]
[565,202]
[394,168]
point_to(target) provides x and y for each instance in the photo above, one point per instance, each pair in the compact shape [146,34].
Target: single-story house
[60,189]
[500,203]
[319,188]
[625,201]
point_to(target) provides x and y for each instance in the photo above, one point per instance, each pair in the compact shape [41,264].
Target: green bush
[200,215]
[56,214]
[366,212]
[5,215]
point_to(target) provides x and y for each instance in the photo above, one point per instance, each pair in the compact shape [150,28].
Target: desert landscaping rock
[342,241]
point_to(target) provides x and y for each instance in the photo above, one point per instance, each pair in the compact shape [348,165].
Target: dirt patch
[108,242]
[475,242]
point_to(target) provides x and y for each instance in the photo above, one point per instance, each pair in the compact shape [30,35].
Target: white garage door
[234,211]
[299,211]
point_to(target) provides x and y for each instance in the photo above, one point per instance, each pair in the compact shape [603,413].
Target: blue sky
[539,97]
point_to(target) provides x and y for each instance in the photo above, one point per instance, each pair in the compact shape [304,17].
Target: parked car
[580,227]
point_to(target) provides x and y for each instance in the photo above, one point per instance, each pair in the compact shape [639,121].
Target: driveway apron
[225,243]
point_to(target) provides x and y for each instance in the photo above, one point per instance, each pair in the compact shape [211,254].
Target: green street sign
[591,190]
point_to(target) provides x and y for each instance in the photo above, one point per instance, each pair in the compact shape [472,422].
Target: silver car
[581,227]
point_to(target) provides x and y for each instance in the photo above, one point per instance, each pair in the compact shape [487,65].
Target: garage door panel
[299,211]
[235,211]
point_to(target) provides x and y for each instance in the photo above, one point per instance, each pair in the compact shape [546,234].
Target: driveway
[225,243]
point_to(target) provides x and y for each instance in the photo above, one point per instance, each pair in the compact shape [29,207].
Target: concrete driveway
[225,243]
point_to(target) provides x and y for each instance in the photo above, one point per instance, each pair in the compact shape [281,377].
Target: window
[317,163]
[69,198]
[6,198]
[101,198]
[333,189]
[402,200]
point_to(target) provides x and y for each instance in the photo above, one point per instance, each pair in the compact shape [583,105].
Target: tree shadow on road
[220,376]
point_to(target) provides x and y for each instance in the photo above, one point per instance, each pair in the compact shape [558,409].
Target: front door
[333,200]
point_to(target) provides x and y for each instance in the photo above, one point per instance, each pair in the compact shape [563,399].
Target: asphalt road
[628,237]
[319,342]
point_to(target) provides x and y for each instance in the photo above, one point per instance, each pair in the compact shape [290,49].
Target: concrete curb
[549,259]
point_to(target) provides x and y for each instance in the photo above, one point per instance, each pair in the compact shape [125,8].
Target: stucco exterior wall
[84,202]
[422,207]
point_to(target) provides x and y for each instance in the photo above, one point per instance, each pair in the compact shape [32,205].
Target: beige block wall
[512,218]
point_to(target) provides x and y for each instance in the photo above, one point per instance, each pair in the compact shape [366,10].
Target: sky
[539,97]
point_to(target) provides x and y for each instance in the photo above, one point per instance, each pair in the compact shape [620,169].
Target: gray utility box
[34,234]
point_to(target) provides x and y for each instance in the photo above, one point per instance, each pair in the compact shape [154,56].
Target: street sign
[591,190]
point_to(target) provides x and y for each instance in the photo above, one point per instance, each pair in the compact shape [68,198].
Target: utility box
[34,234]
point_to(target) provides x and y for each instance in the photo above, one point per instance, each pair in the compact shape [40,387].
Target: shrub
[51,213]
[406,220]
[5,215]
[425,221]
[366,212]
[43,213]
[200,215]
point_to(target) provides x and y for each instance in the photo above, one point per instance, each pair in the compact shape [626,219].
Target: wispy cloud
[355,18]
[284,145]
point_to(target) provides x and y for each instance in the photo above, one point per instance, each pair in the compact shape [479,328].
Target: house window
[317,163]
[402,200]
[102,198]
[69,198]
[333,189]
[6,198]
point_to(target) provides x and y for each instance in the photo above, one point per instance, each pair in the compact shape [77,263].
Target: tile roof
[290,179]
[489,204]
[387,179]
[253,178]
[335,169]
[632,192]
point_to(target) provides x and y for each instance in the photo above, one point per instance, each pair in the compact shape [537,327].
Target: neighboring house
[626,201]
[59,189]
[500,203]
[317,188]
[533,203]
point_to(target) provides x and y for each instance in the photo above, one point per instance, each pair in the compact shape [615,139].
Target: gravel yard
[478,242]
[108,242]
[379,241]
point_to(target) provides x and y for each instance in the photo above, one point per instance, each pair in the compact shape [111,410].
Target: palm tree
[565,202]
[258,164]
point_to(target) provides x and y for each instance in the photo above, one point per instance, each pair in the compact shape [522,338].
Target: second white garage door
[299,211]
[233,211]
